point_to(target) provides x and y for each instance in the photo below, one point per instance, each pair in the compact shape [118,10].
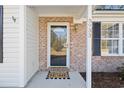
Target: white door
[58,45]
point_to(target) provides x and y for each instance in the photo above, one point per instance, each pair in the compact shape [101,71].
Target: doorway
[58,45]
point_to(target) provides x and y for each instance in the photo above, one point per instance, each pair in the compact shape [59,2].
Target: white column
[89,47]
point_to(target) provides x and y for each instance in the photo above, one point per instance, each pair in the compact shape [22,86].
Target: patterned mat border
[56,77]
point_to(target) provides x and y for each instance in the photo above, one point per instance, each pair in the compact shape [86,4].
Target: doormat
[58,75]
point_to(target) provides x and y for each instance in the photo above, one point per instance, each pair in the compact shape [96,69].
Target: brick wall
[77,42]
[106,63]
[77,48]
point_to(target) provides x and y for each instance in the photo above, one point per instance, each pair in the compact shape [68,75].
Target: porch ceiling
[77,11]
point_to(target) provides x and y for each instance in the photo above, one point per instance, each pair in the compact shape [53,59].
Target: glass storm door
[58,45]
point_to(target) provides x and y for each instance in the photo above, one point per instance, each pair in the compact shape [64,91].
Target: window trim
[120,39]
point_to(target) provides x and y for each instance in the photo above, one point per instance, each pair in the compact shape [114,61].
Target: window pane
[109,46]
[106,47]
[116,34]
[103,47]
[109,7]
[104,34]
[104,27]
[115,46]
[116,26]
[104,30]
[123,30]
[110,26]
[110,33]
[116,30]
[104,43]
[110,30]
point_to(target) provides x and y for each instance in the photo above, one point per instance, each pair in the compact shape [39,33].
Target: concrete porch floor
[39,81]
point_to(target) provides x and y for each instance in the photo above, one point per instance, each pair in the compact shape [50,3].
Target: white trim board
[22,45]
[48,42]
[108,19]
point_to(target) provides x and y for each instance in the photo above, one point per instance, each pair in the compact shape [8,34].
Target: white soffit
[77,11]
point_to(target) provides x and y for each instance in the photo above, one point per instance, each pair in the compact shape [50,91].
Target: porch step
[58,69]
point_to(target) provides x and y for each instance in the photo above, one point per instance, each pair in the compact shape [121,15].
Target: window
[110,38]
[110,7]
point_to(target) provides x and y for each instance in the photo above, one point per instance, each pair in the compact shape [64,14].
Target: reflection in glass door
[58,46]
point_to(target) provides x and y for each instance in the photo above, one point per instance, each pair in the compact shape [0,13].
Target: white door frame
[49,39]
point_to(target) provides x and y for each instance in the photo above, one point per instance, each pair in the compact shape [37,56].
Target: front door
[58,45]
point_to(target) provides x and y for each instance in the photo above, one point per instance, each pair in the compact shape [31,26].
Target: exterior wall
[31,44]
[77,48]
[9,69]
[77,43]
[106,63]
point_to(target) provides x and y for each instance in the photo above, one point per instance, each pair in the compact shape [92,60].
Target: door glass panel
[58,45]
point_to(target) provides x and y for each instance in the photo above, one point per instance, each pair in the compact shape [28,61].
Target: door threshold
[58,66]
[58,69]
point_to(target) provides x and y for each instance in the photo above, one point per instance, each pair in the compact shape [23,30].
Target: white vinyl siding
[9,69]
[31,42]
